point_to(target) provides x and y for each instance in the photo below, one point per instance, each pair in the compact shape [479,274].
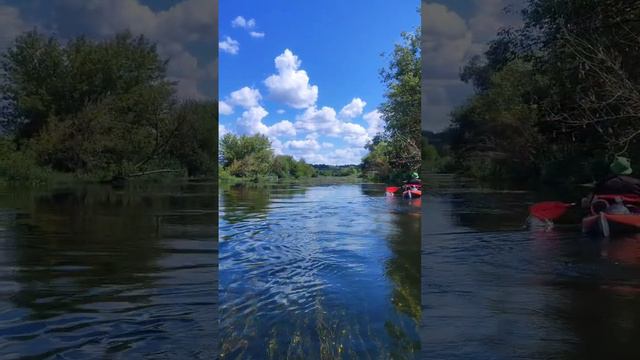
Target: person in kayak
[618,182]
[413,182]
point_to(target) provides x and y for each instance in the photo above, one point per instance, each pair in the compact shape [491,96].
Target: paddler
[414,181]
[618,182]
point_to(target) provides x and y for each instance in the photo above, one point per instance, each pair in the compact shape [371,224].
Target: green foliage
[19,167]
[376,162]
[195,137]
[101,108]
[401,108]
[338,170]
[398,150]
[555,98]
[252,157]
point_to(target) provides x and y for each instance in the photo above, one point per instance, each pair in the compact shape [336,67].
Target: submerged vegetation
[555,98]
[97,110]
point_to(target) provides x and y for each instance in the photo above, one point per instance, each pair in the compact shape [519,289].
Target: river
[493,290]
[90,272]
[318,272]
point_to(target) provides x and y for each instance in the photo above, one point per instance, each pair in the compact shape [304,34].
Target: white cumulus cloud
[284,127]
[229,45]
[256,34]
[250,122]
[243,23]
[224,108]
[291,85]
[246,97]
[353,109]
[375,122]
[307,145]
[355,134]
[322,120]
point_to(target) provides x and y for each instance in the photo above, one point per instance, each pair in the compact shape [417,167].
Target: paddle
[549,210]
[391,189]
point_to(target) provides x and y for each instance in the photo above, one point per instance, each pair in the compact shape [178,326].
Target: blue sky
[184,30]
[453,31]
[305,73]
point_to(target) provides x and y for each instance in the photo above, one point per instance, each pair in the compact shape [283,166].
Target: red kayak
[408,192]
[412,193]
[605,224]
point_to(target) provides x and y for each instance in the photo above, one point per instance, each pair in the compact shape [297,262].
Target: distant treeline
[253,158]
[555,99]
[337,170]
[99,110]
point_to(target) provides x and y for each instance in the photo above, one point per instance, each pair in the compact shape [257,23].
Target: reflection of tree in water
[86,244]
[245,201]
[403,269]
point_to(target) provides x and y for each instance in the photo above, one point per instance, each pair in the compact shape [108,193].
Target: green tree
[246,156]
[401,107]
[196,137]
[42,80]
[569,76]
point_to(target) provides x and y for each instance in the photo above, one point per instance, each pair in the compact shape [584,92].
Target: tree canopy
[555,98]
[101,107]
[397,151]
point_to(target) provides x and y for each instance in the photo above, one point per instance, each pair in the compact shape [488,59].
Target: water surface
[90,272]
[318,272]
[492,290]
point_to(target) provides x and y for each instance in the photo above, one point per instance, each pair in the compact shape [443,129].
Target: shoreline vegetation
[555,99]
[98,111]
[392,154]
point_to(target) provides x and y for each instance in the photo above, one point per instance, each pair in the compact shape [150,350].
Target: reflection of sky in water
[325,247]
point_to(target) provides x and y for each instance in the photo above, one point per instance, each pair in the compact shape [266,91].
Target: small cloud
[243,23]
[280,111]
[224,108]
[222,131]
[353,109]
[246,97]
[375,122]
[250,122]
[256,34]
[308,144]
[283,127]
[229,46]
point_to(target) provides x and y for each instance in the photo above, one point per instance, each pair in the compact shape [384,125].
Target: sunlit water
[492,290]
[318,272]
[96,273]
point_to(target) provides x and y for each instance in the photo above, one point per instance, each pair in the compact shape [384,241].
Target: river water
[318,272]
[493,290]
[90,272]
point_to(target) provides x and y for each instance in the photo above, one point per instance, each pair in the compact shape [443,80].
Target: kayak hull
[412,194]
[611,224]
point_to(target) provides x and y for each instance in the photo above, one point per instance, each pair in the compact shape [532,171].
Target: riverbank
[316,180]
